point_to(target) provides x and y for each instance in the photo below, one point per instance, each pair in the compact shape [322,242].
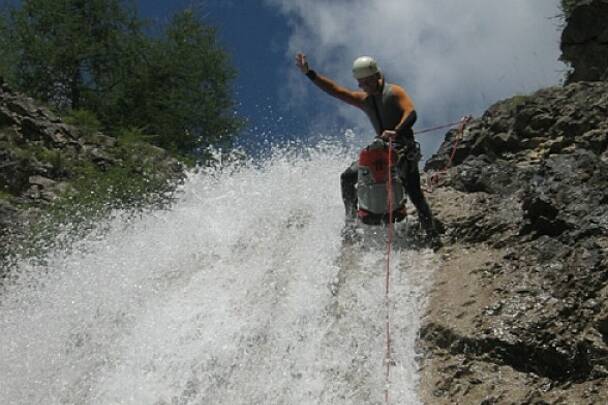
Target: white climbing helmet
[364,66]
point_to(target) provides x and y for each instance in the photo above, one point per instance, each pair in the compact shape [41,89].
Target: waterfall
[243,292]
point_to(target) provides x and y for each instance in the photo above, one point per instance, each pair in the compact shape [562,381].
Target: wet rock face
[27,132]
[36,144]
[533,175]
[530,128]
[584,41]
[41,158]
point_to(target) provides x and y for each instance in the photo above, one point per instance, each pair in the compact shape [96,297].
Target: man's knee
[413,191]
[349,176]
[348,184]
[404,168]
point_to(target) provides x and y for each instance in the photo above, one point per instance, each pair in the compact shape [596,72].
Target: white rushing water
[242,293]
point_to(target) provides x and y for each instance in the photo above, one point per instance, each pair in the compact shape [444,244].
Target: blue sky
[454,58]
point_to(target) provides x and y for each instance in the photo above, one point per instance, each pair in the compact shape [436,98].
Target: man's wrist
[311,74]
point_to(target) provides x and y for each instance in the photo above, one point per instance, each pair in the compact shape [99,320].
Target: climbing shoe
[349,232]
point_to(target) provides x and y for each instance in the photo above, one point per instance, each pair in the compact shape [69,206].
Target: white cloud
[453,57]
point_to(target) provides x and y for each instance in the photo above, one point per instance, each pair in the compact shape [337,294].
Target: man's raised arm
[354,98]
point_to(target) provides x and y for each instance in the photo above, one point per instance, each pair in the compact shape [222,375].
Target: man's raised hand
[302,63]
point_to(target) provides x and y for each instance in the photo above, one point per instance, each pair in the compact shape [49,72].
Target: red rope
[387,355]
[422,131]
[434,179]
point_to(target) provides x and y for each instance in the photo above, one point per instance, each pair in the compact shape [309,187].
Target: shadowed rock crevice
[556,364]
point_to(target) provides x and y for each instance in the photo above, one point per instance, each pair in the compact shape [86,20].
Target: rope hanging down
[387,354]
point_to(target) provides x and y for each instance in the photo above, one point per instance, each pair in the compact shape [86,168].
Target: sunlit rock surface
[518,310]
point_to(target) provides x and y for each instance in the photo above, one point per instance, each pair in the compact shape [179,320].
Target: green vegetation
[135,182]
[515,101]
[189,101]
[133,135]
[7,50]
[141,179]
[94,62]
[86,121]
[102,69]
[5,195]
[568,5]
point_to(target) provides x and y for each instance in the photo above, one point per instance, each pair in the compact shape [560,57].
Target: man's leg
[414,191]
[348,180]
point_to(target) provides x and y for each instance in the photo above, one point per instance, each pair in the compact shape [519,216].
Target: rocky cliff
[49,170]
[519,310]
[584,42]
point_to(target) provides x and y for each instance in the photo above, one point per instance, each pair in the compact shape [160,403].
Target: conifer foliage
[173,84]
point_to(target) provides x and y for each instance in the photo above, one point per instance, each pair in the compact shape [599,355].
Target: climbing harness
[413,153]
[408,157]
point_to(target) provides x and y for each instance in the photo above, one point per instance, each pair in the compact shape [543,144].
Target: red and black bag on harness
[372,185]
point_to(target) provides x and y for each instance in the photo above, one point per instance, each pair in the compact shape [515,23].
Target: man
[392,114]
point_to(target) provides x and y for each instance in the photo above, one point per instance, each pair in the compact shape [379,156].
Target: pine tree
[95,55]
[182,90]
